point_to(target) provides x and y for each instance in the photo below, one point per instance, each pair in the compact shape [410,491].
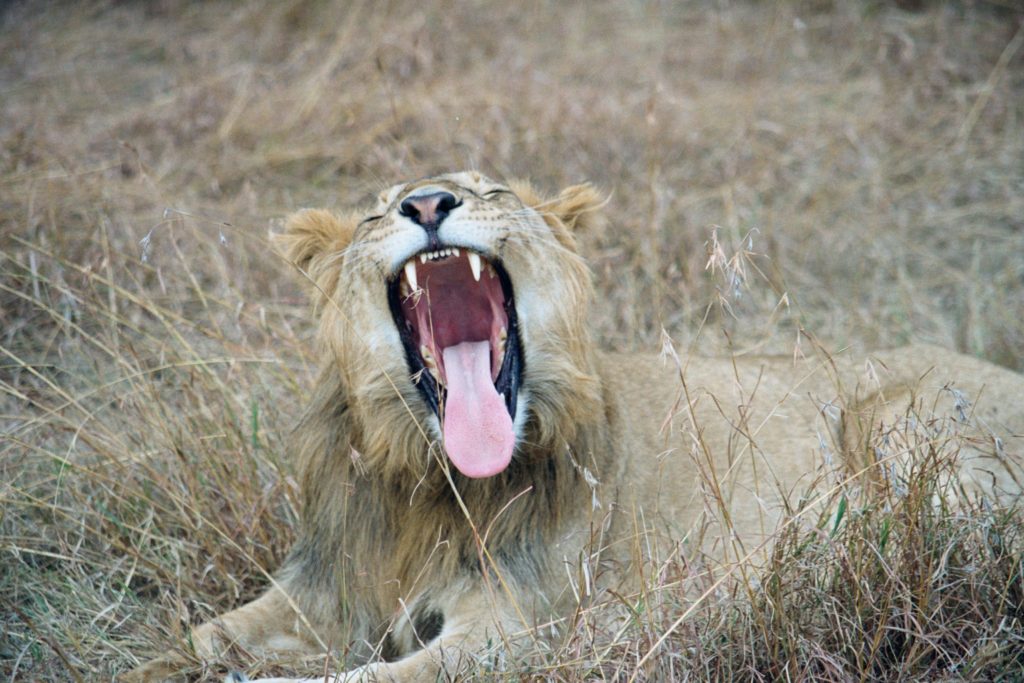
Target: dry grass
[153,353]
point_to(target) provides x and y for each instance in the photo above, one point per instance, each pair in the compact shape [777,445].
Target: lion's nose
[428,210]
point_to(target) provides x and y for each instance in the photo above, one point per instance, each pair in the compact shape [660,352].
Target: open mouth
[456,316]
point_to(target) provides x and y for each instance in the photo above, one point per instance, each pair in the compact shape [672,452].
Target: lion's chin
[455,313]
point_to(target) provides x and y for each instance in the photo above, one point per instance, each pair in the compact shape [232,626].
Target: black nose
[428,210]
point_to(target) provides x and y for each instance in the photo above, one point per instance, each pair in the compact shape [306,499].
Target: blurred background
[873,153]
[776,171]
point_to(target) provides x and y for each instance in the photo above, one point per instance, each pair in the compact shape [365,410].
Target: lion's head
[454,313]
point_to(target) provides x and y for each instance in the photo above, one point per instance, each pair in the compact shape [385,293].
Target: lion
[468,449]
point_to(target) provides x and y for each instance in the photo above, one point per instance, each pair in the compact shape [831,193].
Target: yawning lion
[467,448]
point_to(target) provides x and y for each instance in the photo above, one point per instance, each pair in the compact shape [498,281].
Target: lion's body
[618,457]
[750,432]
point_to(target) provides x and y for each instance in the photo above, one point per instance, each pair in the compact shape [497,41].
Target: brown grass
[154,353]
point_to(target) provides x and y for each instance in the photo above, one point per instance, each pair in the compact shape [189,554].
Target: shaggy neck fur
[381,533]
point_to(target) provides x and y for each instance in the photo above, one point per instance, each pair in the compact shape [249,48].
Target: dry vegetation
[154,353]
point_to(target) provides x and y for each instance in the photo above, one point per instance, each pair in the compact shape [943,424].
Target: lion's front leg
[271,623]
[268,624]
[472,632]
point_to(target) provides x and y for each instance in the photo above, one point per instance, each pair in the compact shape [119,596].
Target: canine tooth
[428,358]
[474,265]
[410,274]
[503,334]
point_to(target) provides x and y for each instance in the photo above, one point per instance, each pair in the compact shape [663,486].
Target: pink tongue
[477,427]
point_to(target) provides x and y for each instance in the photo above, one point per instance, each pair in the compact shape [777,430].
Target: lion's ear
[312,233]
[312,240]
[579,207]
[576,208]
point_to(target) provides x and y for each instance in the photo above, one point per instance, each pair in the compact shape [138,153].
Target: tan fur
[413,568]
[313,240]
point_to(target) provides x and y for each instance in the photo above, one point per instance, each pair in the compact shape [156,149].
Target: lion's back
[703,440]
